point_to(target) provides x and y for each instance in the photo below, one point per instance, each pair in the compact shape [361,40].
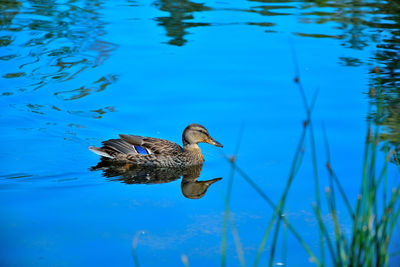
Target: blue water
[74,73]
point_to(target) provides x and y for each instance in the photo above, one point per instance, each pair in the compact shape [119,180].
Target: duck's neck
[193,150]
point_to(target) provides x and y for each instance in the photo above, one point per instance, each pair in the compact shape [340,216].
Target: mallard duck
[149,151]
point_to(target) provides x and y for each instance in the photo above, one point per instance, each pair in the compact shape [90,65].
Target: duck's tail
[100,152]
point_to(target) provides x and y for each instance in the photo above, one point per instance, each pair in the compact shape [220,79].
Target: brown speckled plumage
[159,152]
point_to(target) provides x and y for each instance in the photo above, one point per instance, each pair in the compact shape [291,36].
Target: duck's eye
[203,132]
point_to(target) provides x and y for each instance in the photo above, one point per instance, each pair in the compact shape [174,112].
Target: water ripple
[55,43]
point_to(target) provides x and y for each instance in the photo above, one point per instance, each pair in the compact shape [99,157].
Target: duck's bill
[213,142]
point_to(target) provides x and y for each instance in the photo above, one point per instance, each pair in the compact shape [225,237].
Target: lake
[74,73]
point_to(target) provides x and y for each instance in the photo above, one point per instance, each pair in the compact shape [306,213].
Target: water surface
[73,73]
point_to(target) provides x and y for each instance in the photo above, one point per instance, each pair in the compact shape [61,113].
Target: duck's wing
[151,145]
[114,147]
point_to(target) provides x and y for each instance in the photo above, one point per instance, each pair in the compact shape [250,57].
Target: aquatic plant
[374,212]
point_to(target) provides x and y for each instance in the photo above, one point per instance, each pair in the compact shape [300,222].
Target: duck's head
[195,133]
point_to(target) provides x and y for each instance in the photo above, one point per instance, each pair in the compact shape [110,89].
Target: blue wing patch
[141,150]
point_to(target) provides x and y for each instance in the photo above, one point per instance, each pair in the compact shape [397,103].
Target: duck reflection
[131,174]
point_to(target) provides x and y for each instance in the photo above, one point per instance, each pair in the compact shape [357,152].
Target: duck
[154,152]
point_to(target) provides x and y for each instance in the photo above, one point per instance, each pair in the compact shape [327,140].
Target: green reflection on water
[55,42]
[67,40]
[176,23]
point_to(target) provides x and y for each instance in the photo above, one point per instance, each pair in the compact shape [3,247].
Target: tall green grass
[373,213]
